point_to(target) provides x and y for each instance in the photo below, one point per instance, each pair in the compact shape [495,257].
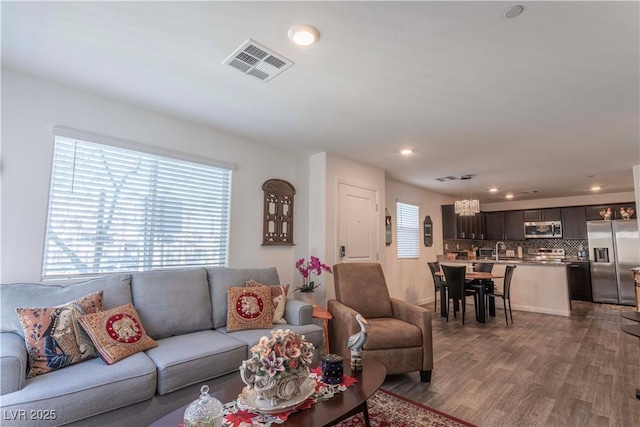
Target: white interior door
[357,224]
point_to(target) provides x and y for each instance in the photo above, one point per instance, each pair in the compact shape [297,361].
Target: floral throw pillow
[278,299]
[53,336]
[117,333]
[249,308]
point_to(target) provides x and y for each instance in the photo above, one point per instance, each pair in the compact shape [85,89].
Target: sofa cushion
[249,308]
[117,333]
[222,278]
[191,358]
[116,292]
[85,389]
[53,336]
[172,302]
[278,299]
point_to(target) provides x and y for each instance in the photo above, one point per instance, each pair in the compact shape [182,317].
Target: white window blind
[408,230]
[113,209]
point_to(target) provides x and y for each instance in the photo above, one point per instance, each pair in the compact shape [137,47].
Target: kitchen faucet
[503,247]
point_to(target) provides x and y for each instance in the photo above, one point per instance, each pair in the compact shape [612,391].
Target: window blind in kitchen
[113,209]
[408,230]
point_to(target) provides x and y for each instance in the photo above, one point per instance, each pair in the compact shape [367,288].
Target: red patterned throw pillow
[278,299]
[249,308]
[54,337]
[117,333]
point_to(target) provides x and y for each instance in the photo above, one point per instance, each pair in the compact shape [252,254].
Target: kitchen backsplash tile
[571,247]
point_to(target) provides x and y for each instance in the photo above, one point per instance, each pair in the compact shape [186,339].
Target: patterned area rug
[390,410]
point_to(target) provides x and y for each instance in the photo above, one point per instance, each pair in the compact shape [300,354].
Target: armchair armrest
[298,313]
[13,362]
[341,327]
[421,317]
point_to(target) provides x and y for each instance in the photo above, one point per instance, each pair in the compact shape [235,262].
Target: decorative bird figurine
[606,214]
[626,213]
[357,340]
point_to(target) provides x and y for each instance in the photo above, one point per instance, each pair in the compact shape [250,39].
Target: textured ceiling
[540,102]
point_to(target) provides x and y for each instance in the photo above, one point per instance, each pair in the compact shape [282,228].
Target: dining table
[479,281]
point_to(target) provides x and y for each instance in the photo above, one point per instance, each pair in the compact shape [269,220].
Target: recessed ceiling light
[493,190]
[303,35]
[509,196]
[513,11]
[406,151]
[595,188]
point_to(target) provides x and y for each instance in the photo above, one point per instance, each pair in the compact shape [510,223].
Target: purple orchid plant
[309,268]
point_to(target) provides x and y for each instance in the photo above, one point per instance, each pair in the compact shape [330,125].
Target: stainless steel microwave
[543,230]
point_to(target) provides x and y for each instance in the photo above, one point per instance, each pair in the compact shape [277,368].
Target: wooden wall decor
[278,213]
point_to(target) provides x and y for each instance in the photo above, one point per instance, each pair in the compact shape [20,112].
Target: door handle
[343,251]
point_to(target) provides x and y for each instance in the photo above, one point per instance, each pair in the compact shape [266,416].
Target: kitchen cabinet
[507,225]
[461,227]
[494,223]
[579,279]
[542,215]
[448,222]
[595,213]
[574,223]
[514,225]
[470,227]
[625,206]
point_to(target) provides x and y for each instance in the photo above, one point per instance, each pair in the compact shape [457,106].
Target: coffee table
[340,407]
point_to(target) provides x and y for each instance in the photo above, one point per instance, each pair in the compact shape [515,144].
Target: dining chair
[437,280]
[456,289]
[484,267]
[505,294]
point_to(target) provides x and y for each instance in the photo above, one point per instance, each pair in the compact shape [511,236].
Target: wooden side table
[320,312]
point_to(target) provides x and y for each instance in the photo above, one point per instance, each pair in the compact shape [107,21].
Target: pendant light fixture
[468,207]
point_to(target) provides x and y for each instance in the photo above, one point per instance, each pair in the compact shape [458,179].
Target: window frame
[406,249]
[188,224]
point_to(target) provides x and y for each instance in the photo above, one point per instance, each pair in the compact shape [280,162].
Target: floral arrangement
[309,268]
[285,352]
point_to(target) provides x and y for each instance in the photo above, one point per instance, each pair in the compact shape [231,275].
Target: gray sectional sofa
[185,311]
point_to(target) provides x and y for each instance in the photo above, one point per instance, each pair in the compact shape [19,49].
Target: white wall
[410,279]
[31,107]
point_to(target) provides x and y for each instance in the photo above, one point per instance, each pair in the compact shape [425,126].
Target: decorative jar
[332,369]
[204,412]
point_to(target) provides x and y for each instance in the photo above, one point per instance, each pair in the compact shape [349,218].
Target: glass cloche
[204,412]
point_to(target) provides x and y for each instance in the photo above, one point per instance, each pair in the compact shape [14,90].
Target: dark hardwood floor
[543,370]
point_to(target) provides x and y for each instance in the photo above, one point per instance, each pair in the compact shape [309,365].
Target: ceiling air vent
[447,178]
[255,60]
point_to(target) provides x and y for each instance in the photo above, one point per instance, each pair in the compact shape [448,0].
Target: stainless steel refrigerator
[614,248]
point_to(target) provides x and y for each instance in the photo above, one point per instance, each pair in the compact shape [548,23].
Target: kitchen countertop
[504,260]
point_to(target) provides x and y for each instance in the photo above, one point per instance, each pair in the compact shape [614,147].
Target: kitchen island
[539,287]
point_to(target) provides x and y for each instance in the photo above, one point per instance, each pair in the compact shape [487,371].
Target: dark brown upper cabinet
[542,215]
[507,225]
[448,223]
[574,223]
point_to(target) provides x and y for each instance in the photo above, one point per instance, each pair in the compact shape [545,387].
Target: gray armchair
[399,335]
